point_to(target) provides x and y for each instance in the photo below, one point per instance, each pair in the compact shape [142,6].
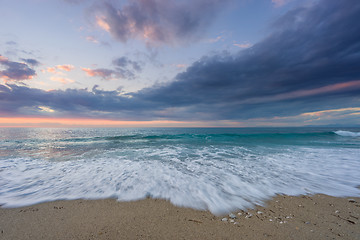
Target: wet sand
[284,217]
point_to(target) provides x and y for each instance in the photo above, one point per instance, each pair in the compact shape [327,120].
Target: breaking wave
[347,133]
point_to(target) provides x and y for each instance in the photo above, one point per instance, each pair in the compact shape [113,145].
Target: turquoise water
[218,169]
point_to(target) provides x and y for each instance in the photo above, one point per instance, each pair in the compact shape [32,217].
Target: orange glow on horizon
[66,122]
[7,122]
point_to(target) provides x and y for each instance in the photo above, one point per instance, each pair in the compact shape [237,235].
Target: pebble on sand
[232,216]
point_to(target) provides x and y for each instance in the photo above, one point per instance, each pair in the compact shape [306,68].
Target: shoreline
[283,217]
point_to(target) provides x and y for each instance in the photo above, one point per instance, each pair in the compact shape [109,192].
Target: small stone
[337,211]
[224,219]
[235,223]
[232,216]
[270,220]
[232,220]
[352,200]
[249,216]
[259,212]
[307,222]
[281,222]
[239,213]
[288,217]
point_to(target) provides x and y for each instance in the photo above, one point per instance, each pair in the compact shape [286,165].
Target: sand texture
[284,217]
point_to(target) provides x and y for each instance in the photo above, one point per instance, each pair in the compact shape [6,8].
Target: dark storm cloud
[15,71]
[156,21]
[310,48]
[21,100]
[311,62]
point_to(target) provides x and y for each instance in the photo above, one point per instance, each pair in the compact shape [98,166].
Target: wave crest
[347,133]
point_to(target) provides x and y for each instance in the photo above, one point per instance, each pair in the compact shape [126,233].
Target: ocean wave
[219,170]
[219,179]
[347,133]
[201,137]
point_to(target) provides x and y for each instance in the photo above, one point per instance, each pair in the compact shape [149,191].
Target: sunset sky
[179,63]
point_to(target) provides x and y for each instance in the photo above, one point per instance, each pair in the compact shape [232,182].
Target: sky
[179,63]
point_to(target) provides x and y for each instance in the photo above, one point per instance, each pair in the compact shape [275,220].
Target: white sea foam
[347,133]
[219,179]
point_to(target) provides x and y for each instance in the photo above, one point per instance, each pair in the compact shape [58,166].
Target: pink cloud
[101,22]
[104,73]
[65,67]
[217,39]
[321,90]
[62,80]
[3,59]
[352,111]
[279,3]
[51,70]
[92,39]
[157,21]
[306,93]
[243,45]
[181,65]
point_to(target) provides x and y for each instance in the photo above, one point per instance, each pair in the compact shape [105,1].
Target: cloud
[61,80]
[46,109]
[309,64]
[217,39]
[15,71]
[11,43]
[243,45]
[124,69]
[65,67]
[51,69]
[74,1]
[3,59]
[25,101]
[54,70]
[124,62]
[181,65]
[279,3]
[92,39]
[31,62]
[99,72]
[156,21]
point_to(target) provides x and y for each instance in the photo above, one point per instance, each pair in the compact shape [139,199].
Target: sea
[215,169]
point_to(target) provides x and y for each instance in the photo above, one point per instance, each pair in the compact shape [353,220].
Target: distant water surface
[218,169]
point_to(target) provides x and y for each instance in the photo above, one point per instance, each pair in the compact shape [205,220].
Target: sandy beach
[284,217]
